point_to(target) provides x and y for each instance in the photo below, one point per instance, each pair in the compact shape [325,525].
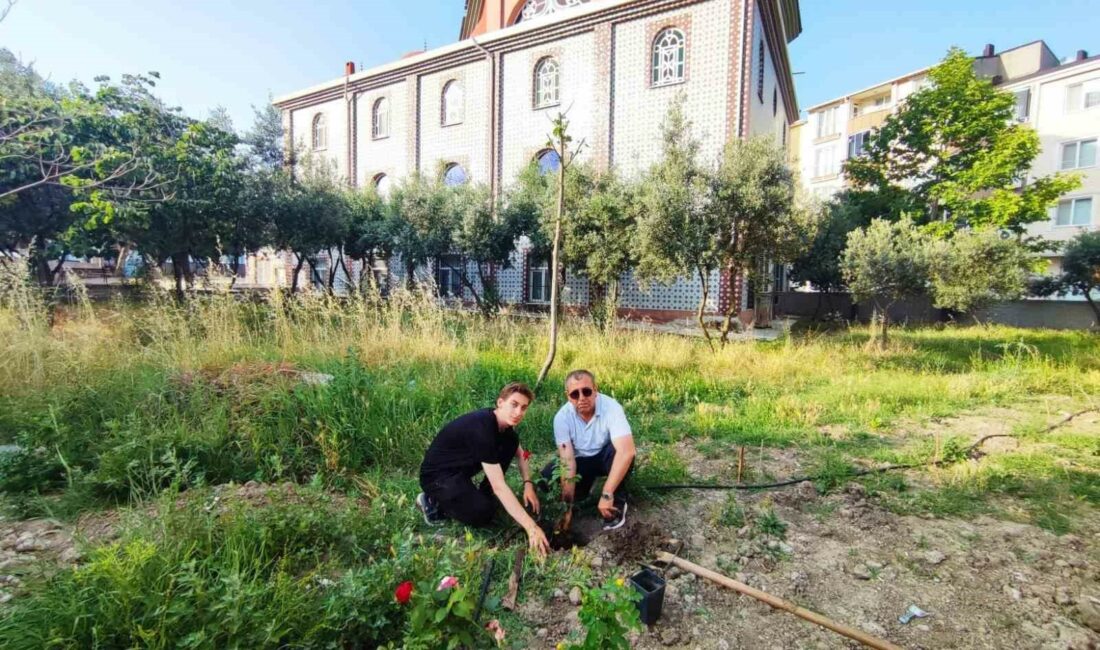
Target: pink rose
[447,582]
[498,632]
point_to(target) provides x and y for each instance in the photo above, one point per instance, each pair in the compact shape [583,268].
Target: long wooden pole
[778,603]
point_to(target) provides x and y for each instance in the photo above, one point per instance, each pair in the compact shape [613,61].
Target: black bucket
[652,588]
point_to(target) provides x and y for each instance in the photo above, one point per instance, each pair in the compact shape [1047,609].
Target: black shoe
[619,519]
[429,509]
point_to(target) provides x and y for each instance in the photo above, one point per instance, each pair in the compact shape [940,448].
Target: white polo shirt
[588,438]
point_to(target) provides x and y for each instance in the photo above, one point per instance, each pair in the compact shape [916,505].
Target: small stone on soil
[934,557]
[575,596]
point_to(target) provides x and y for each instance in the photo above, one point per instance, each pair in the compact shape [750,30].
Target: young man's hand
[568,491]
[536,539]
[530,498]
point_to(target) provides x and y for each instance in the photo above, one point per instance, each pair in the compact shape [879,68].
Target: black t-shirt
[466,442]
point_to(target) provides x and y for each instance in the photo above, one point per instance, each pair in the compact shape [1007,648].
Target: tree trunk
[490,297]
[553,351]
[352,283]
[178,262]
[703,305]
[732,309]
[123,253]
[409,270]
[297,270]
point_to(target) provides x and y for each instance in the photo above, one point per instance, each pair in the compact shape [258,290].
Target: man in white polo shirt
[593,439]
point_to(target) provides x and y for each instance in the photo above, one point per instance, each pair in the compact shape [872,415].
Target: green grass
[122,404]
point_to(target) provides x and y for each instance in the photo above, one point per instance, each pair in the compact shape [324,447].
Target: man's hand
[536,539]
[568,491]
[530,498]
[607,507]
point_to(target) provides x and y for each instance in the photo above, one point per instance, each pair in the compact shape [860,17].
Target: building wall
[335,151]
[639,109]
[763,119]
[466,143]
[1056,125]
[526,129]
[385,155]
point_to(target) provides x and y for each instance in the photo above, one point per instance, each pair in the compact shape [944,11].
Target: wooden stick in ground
[509,602]
[740,463]
[778,603]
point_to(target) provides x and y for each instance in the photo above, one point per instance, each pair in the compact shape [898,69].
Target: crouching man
[481,441]
[593,440]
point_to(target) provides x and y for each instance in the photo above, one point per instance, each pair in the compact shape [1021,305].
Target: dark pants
[460,500]
[589,468]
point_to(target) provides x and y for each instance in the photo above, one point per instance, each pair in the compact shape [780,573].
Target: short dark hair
[516,387]
[578,373]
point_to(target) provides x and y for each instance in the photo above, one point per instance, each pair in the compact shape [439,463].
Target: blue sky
[234,53]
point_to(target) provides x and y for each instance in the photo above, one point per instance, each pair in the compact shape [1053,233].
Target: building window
[538,281]
[451,109]
[320,132]
[547,83]
[454,175]
[826,122]
[380,119]
[538,8]
[1083,96]
[760,73]
[382,184]
[825,162]
[548,160]
[1078,155]
[1074,212]
[775,101]
[668,57]
[448,281]
[857,143]
[1023,104]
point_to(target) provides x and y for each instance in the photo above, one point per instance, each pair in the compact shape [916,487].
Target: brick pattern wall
[466,141]
[335,152]
[384,155]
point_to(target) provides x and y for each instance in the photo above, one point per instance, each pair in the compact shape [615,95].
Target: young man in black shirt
[482,440]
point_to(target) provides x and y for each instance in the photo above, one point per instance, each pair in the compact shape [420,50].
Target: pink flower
[498,632]
[403,592]
[447,582]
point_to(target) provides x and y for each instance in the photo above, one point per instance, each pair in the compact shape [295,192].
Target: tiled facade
[604,51]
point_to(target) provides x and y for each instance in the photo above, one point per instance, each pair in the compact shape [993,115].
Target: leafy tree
[309,216]
[887,262]
[265,138]
[678,228]
[952,156]
[424,222]
[975,268]
[484,236]
[1080,273]
[819,266]
[370,231]
[758,216]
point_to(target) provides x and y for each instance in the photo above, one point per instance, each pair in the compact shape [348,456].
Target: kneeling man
[593,439]
[483,440]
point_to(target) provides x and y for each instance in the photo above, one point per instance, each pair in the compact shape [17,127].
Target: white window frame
[1026,104]
[861,139]
[1072,203]
[547,82]
[1083,90]
[1076,144]
[380,118]
[831,165]
[452,110]
[668,60]
[826,122]
[319,132]
[543,269]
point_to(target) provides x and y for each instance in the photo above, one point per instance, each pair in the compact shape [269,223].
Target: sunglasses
[577,392]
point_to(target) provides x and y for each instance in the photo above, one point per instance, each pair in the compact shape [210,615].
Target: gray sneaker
[430,509]
[618,520]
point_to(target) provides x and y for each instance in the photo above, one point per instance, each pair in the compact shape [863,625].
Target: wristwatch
[607,495]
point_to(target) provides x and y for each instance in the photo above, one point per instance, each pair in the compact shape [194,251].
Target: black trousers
[461,500]
[589,468]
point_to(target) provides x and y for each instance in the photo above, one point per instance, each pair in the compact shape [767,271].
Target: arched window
[451,106]
[380,119]
[320,132]
[382,184]
[547,83]
[548,161]
[454,175]
[668,57]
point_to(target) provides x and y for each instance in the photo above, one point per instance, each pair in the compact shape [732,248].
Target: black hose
[486,575]
[779,484]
